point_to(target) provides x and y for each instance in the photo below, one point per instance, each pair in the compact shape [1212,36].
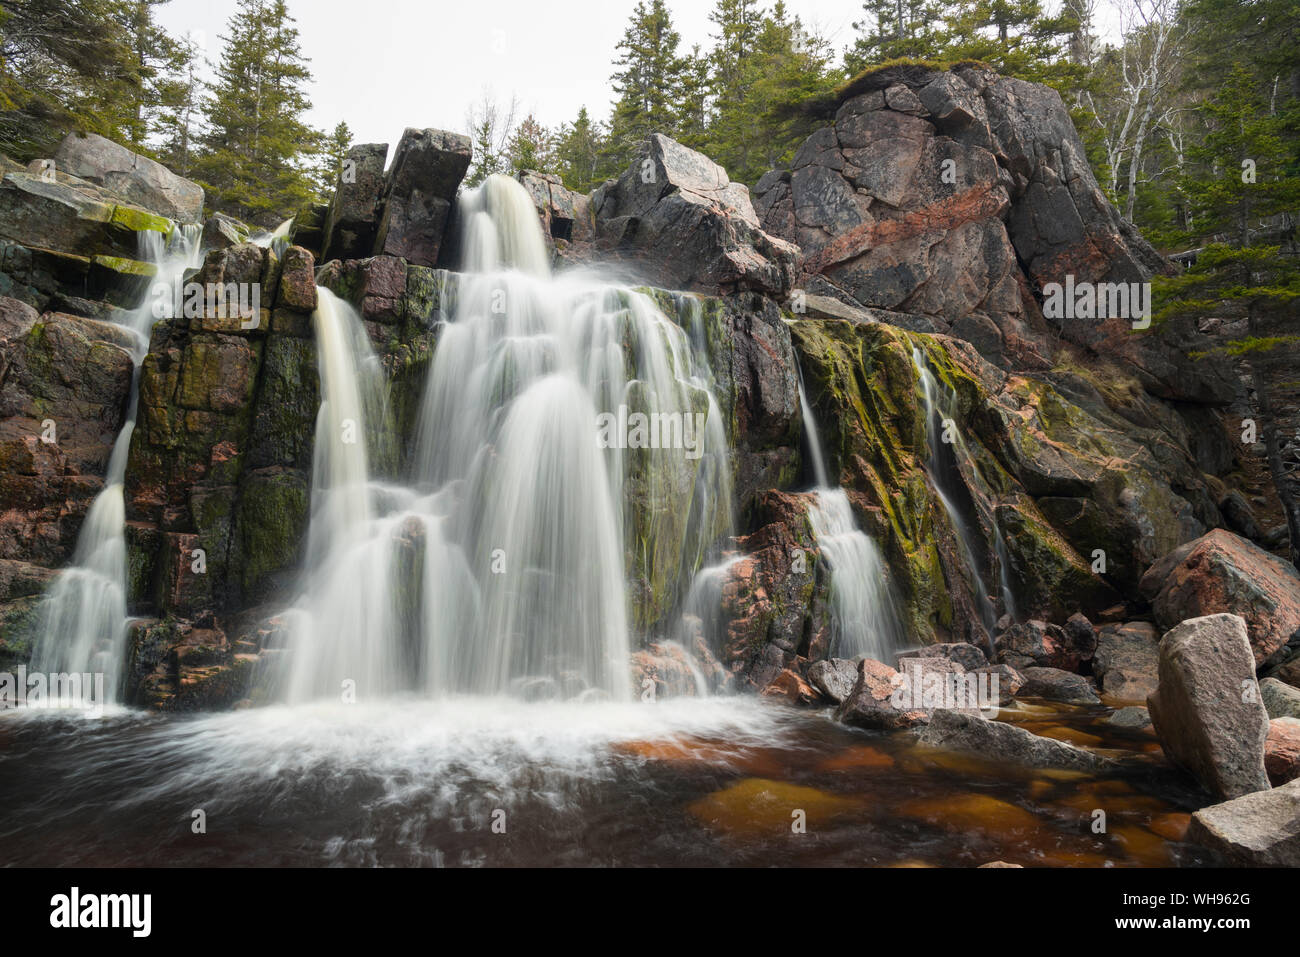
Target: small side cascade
[867,622]
[84,615]
[944,444]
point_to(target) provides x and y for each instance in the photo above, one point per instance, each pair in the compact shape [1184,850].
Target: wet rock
[1130,718]
[789,687]
[421,184]
[1261,829]
[998,741]
[1040,644]
[222,231]
[1005,679]
[663,671]
[676,218]
[1000,864]
[297,288]
[1223,572]
[869,704]
[834,678]
[1281,700]
[1126,663]
[1282,750]
[969,656]
[1057,685]
[136,178]
[1207,710]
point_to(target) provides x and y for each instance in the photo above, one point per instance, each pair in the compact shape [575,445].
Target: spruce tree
[530,148]
[892,29]
[648,82]
[253,161]
[577,153]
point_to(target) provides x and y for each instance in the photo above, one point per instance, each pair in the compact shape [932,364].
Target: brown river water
[493,782]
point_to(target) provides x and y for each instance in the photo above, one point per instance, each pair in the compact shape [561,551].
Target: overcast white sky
[384,65]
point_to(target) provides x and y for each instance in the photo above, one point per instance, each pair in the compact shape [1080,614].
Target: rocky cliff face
[926,219]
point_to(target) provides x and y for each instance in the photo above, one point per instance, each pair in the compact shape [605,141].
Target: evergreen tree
[1016,37]
[332,155]
[253,161]
[531,148]
[693,103]
[789,67]
[648,82]
[577,153]
[64,65]
[733,139]
[893,29]
[153,53]
[180,103]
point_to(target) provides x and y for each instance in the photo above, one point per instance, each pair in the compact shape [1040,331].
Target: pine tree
[693,104]
[64,65]
[789,67]
[153,52]
[1241,179]
[732,135]
[531,148]
[253,161]
[893,29]
[1016,37]
[180,102]
[330,162]
[577,153]
[648,82]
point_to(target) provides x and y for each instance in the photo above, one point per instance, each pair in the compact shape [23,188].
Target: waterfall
[499,567]
[84,614]
[944,442]
[867,622]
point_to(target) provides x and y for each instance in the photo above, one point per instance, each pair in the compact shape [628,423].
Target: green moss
[138,220]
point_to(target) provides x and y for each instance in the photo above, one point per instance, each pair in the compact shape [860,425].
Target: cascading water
[944,442]
[84,615]
[867,621]
[500,566]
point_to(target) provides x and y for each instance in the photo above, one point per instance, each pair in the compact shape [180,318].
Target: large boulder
[1282,750]
[68,217]
[353,217]
[1207,710]
[959,196]
[871,703]
[135,178]
[1255,830]
[1127,661]
[676,219]
[1223,572]
[419,189]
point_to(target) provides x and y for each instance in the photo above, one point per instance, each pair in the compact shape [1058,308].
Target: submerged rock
[999,741]
[1256,830]
[1057,685]
[1207,710]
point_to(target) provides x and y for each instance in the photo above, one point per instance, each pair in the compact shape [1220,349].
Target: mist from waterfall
[84,614]
[944,442]
[867,622]
[498,564]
